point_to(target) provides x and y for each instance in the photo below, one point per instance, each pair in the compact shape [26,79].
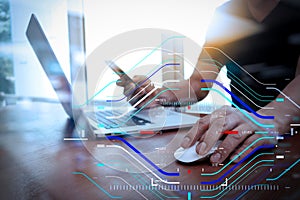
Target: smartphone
[124,77]
[119,71]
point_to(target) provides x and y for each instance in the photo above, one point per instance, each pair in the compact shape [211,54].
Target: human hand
[209,129]
[143,93]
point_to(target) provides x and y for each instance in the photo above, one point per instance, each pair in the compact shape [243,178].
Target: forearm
[190,90]
[287,110]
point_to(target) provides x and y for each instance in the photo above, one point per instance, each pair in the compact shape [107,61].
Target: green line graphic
[97,185]
[263,165]
[90,99]
[241,110]
[243,174]
[144,182]
[156,48]
[239,80]
[261,154]
[253,143]
[284,172]
[132,115]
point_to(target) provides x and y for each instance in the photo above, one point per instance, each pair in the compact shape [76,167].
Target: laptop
[107,120]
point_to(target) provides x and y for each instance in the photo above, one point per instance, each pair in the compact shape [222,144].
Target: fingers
[135,89]
[147,100]
[211,136]
[120,82]
[208,130]
[223,120]
[140,83]
[134,96]
[141,92]
[229,144]
[141,80]
[129,89]
[168,98]
[220,121]
[196,132]
[158,97]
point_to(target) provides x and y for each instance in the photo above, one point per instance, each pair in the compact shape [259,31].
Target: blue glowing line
[241,195]
[143,181]
[97,185]
[285,171]
[280,99]
[261,154]
[228,57]
[139,180]
[238,99]
[142,155]
[237,164]
[132,115]
[239,80]
[244,175]
[214,173]
[154,68]
[189,195]
[141,83]
[241,110]
[261,132]
[90,99]
[166,40]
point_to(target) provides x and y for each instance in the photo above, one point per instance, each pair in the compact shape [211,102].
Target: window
[106,19]
[20,71]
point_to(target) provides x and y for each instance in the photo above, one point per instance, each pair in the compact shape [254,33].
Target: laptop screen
[50,64]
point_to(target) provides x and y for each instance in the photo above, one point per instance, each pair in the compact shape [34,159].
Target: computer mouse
[189,155]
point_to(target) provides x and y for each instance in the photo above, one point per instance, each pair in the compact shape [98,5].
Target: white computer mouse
[189,155]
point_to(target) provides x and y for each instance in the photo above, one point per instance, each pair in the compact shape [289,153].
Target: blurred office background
[76,27]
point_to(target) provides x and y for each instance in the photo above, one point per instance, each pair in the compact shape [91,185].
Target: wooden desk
[36,163]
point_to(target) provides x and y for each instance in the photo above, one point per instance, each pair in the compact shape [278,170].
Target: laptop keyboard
[103,119]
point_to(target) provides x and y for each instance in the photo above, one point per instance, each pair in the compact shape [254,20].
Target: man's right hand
[142,93]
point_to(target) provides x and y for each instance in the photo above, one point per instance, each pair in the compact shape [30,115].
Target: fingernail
[216,157]
[202,147]
[119,81]
[185,142]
